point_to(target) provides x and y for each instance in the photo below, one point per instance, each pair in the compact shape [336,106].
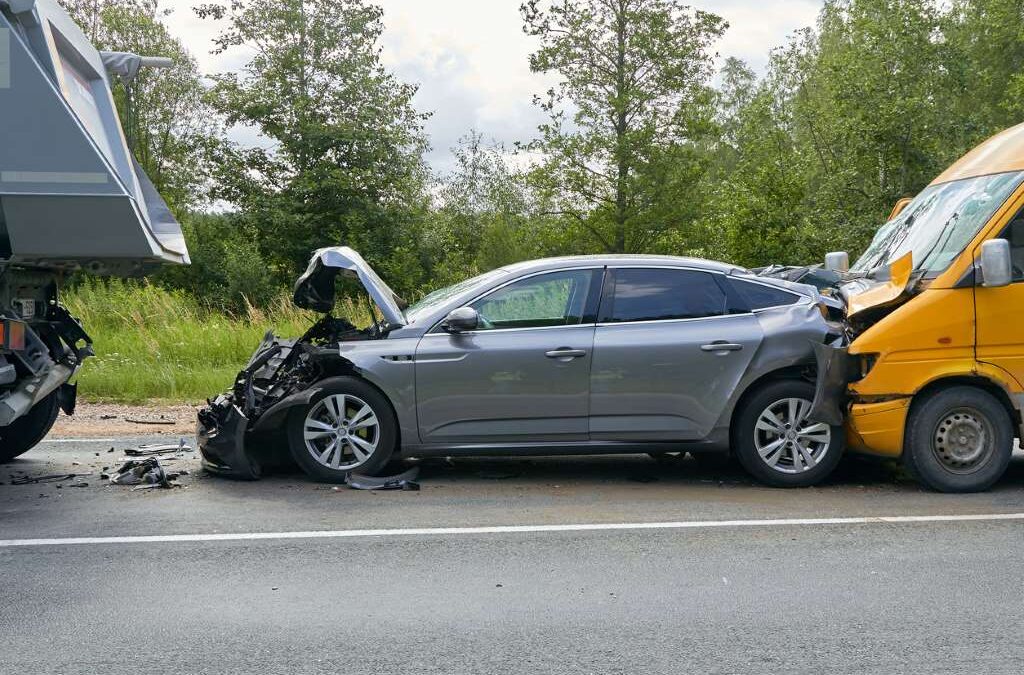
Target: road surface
[560,565]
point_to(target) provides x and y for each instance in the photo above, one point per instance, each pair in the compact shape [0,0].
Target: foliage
[154,343]
[344,158]
[633,85]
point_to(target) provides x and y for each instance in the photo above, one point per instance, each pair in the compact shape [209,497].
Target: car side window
[1014,233]
[553,299]
[658,294]
[760,296]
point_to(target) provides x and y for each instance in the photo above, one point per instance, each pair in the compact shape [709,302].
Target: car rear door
[523,375]
[670,347]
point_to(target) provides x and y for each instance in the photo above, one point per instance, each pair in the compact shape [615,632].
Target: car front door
[670,348]
[523,374]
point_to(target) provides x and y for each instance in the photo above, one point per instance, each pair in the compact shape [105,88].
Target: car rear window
[659,294]
[760,296]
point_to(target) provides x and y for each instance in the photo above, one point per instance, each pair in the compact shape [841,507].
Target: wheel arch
[798,371]
[977,381]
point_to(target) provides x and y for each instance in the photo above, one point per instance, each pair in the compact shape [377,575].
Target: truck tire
[25,432]
[958,440]
[775,443]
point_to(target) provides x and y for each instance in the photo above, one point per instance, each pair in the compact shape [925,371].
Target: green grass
[155,344]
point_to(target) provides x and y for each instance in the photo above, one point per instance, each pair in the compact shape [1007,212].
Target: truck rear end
[72,197]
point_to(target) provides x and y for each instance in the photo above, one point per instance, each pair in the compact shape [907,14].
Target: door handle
[721,346]
[565,353]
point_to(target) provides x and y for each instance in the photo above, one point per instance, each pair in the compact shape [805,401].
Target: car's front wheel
[348,427]
[776,443]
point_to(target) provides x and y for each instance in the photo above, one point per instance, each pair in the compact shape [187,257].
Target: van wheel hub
[963,440]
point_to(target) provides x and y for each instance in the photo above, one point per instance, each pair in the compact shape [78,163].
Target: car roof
[620,259]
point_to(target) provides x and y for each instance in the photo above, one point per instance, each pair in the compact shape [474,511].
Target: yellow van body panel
[877,428]
[1002,152]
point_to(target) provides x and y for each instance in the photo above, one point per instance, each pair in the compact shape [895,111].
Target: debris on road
[404,481]
[158,449]
[141,420]
[47,478]
[145,474]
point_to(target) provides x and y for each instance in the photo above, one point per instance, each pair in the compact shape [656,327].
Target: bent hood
[865,294]
[315,288]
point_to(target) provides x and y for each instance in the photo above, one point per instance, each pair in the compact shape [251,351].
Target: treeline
[649,145]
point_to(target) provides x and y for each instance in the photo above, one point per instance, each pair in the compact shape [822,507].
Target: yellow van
[934,367]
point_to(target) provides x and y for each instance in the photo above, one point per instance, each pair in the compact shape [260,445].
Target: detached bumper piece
[221,431]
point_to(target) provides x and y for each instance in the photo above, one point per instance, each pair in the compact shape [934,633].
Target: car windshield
[433,300]
[939,223]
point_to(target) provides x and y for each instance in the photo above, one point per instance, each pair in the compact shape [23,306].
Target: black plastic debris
[403,481]
[144,474]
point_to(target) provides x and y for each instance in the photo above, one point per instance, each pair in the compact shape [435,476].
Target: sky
[469,58]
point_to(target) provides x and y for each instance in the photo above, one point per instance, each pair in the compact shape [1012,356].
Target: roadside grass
[156,344]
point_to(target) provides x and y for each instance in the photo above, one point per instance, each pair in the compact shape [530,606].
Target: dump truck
[72,198]
[933,369]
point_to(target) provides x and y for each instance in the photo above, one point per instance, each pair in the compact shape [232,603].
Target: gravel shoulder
[101,420]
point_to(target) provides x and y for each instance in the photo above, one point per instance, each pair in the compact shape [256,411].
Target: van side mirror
[837,261]
[461,319]
[996,263]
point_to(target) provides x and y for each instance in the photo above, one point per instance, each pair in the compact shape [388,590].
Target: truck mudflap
[220,432]
[836,369]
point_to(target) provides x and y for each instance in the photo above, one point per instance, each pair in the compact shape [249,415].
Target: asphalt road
[874,596]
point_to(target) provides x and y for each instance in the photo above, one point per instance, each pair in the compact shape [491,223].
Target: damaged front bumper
[874,427]
[220,433]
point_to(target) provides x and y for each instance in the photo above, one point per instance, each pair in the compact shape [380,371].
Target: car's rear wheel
[348,427]
[776,444]
[958,439]
[25,432]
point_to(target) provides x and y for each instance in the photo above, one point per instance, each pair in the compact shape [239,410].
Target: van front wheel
[958,440]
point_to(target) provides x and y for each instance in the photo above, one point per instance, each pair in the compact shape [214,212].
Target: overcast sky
[470,57]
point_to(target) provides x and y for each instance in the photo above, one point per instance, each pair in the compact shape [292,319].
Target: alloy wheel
[786,441]
[341,431]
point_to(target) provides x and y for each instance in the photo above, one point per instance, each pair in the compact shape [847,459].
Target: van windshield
[939,223]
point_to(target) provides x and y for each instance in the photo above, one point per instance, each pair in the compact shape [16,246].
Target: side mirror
[996,264]
[837,261]
[461,319]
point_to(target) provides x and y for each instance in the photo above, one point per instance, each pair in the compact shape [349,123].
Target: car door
[998,329]
[670,348]
[523,375]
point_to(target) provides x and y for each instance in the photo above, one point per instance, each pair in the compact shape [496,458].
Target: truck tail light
[12,335]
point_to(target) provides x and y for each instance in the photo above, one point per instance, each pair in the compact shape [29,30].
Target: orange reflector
[12,335]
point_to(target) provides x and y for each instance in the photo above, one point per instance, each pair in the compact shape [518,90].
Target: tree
[343,157]
[632,91]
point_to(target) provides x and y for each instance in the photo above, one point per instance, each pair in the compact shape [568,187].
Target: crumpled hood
[865,294]
[315,288]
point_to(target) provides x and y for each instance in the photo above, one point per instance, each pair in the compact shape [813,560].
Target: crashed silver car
[577,355]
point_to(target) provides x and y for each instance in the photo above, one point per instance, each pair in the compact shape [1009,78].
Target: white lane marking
[510,529]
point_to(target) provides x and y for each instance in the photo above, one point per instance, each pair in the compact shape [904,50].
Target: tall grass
[152,343]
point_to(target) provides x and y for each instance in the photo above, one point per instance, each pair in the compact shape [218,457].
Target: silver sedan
[578,355]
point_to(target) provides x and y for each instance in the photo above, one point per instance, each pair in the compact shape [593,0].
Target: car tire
[28,430]
[797,455]
[364,437]
[972,460]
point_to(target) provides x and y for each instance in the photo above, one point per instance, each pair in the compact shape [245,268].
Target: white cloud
[470,57]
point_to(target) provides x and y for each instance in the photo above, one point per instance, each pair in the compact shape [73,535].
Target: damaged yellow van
[933,369]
